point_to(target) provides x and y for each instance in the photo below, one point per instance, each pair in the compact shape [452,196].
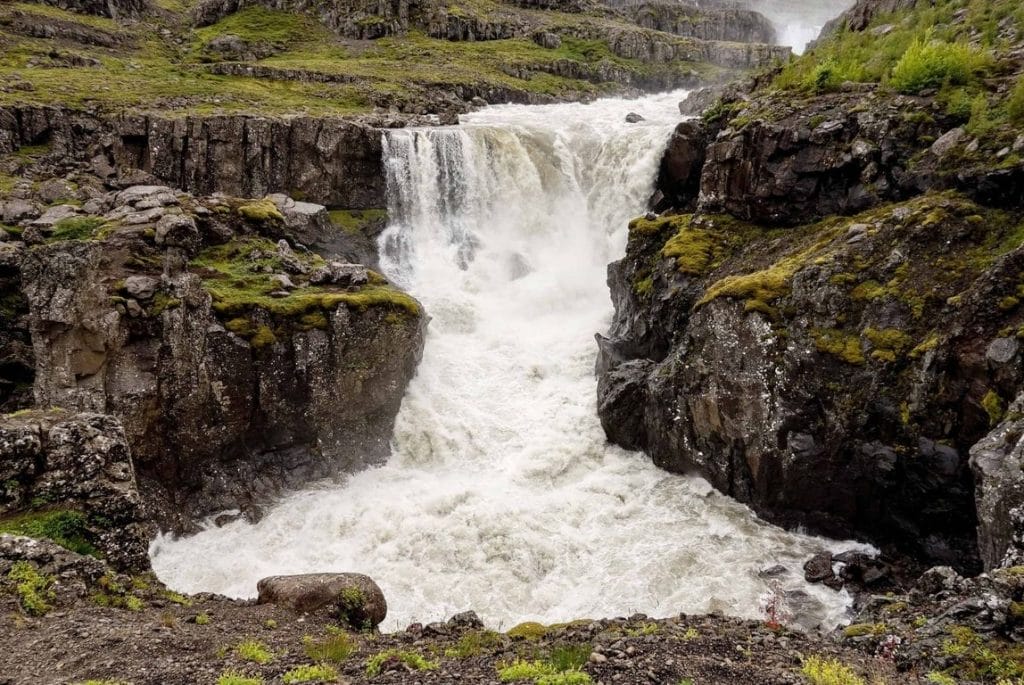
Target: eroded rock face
[834,376]
[352,597]
[335,162]
[225,400]
[998,464]
[82,463]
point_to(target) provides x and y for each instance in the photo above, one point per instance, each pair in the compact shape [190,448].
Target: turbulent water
[501,494]
[798,22]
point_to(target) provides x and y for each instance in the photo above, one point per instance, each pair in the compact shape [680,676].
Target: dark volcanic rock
[998,464]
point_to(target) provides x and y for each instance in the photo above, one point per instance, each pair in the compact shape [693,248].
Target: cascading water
[501,494]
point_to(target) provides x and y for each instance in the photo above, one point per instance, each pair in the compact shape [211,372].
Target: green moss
[1007,303]
[76,228]
[888,343]
[69,529]
[865,629]
[839,344]
[819,671]
[255,651]
[33,590]
[355,221]
[242,326]
[978,659]
[260,211]
[926,345]
[113,594]
[263,337]
[318,673]
[644,286]
[412,660]
[992,403]
[162,302]
[530,630]
[868,290]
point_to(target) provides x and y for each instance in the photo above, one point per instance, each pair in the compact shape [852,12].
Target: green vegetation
[336,647]
[540,673]
[255,651]
[839,344]
[202,619]
[260,211]
[238,275]
[151,71]
[76,228]
[940,678]
[357,220]
[888,343]
[111,593]
[992,403]
[33,590]
[929,63]
[473,643]
[318,673]
[237,678]
[978,659]
[829,672]
[865,629]
[416,662]
[1015,103]
[69,529]
[530,630]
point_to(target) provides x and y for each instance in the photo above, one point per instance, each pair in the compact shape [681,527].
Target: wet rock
[633,118]
[467,620]
[352,597]
[818,568]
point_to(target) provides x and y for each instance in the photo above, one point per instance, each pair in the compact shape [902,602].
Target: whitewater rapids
[501,494]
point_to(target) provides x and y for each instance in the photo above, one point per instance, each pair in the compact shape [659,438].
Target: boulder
[178,230]
[353,598]
[818,568]
[141,287]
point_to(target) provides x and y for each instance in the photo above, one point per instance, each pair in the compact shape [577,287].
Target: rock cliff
[824,320]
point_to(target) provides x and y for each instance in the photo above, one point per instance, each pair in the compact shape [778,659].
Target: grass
[356,221]
[254,651]
[473,643]
[33,590]
[76,228]
[67,528]
[540,673]
[238,678]
[413,660]
[314,673]
[829,672]
[336,647]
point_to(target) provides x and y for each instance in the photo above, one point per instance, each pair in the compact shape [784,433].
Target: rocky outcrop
[998,464]
[17,366]
[334,161]
[232,360]
[115,9]
[71,475]
[866,355]
[705,23]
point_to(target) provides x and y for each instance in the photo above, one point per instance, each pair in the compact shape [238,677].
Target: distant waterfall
[502,494]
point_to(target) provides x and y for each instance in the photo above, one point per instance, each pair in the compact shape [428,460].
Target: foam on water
[501,494]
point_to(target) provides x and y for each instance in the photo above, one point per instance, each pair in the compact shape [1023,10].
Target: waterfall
[501,494]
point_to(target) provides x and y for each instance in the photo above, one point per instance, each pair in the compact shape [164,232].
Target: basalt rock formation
[231,355]
[824,320]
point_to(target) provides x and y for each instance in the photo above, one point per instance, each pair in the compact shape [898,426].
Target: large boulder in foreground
[354,598]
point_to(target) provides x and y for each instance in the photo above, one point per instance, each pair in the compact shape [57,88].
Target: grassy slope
[169,70]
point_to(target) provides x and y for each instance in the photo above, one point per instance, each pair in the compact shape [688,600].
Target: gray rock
[352,597]
[339,273]
[141,287]
[178,230]
[282,281]
[146,216]
[55,214]
[1002,350]
[134,194]
[997,461]
[13,211]
[633,118]
[55,190]
[818,568]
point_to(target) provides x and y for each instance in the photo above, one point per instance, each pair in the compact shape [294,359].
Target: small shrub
[415,661]
[236,678]
[33,590]
[318,673]
[202,619]
[336,647]
[993,406]
[931,64]
[940,678]
[829,672]
[255,651]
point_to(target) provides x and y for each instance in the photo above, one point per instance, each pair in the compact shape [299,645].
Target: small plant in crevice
[336,647]
[379,663]
[33,590]
[773,603]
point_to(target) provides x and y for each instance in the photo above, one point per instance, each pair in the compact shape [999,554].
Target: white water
[502,495]
[798,22]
